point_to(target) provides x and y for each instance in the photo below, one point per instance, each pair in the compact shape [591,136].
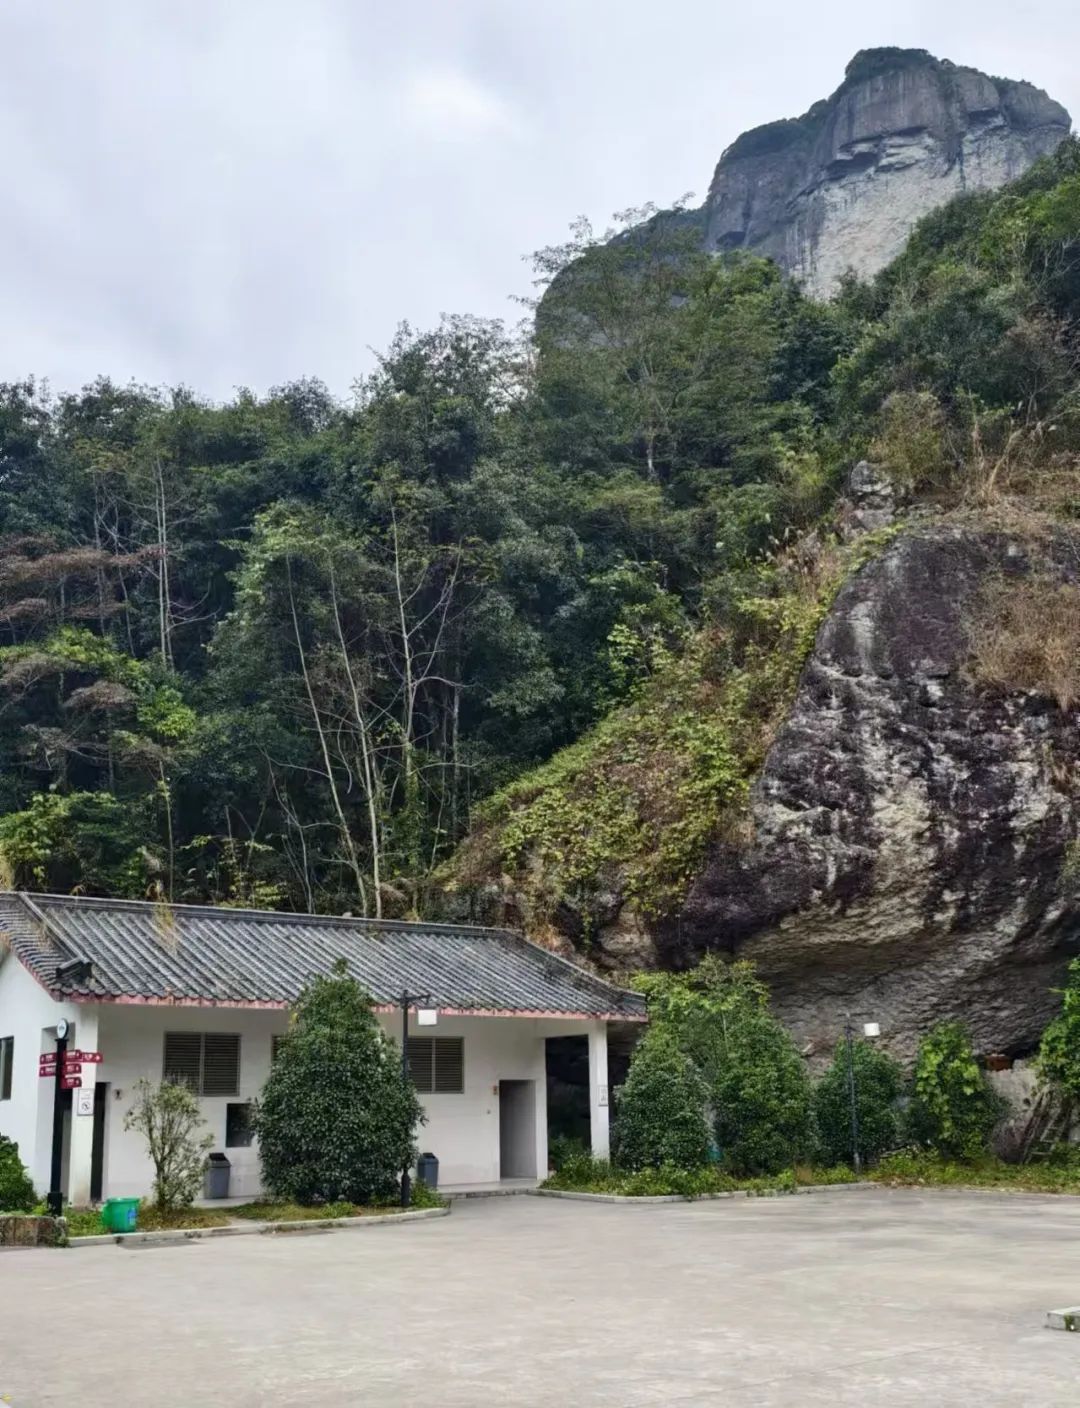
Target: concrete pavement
[861,1297]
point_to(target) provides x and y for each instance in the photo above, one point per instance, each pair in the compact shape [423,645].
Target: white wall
[29,1014]
[461,1130]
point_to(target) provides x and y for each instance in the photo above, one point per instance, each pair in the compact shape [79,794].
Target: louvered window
[208,1062]
[437,1064]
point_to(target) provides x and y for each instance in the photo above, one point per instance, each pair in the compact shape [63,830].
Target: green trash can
[120,1214]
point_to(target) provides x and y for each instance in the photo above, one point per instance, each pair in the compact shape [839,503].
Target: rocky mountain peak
[841,186]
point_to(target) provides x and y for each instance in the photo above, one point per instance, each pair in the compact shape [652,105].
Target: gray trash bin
[218,1169]
[427,1170]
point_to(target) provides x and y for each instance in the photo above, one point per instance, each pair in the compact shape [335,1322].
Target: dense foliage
[336,1121]
[953,1107]
[16,1189]
[757,1082]
[879,1082]
[1059,1050]
[286,651]
[661,1116]
[170,1118]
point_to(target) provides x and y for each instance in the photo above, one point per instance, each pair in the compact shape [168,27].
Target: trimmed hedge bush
[878,1086]
[336,1122]
[16,1190]
[661,1117]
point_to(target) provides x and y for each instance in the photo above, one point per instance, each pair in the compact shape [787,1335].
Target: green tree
[16,1190]
[953,1107]
[757,1081]
[336,1122]
[1059,1049]
[168,1116]
[661,1114]
[878,1085]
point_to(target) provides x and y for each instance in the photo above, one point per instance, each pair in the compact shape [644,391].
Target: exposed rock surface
[911,830]
[842,186]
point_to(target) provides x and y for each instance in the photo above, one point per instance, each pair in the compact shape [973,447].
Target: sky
[227,193]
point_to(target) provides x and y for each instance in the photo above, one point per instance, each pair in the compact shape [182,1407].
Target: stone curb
[1068,1319]
[696,1197]
[256,1229]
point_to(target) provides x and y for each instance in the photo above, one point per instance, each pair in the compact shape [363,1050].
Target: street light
[870,1029]
[405,1001]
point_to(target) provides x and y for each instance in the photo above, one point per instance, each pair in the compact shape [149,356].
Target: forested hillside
[549,592]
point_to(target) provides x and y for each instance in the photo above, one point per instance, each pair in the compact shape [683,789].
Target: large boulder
[911,828]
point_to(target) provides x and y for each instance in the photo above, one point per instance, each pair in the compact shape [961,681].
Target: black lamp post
[870,1029]
[405,1001]
[849,1035]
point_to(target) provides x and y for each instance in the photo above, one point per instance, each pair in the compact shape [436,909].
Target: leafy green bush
[762,1098]
[564,1147]
[16,1189]
[760,1091]
[953,1108]
[661,1115]
[336,1121]
[588,1175]
[168,1116]
[878,1084]
[1059,1050]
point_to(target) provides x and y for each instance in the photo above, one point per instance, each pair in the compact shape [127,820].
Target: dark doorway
[517,1129]
[97,1147]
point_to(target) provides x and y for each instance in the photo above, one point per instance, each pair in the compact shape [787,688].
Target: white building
[200,994]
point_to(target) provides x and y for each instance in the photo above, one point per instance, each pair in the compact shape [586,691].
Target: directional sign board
[70,1082]
[92,1058]
[48,1058]
[72,1068]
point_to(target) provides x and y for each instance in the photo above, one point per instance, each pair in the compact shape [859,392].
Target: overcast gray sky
[240,192]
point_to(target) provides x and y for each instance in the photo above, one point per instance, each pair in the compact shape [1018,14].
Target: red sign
[48,1058]
[93,1058]
[72,1068]
[70,1082]
[46,1071]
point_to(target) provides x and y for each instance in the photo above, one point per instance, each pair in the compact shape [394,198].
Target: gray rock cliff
[842,186]
[911,831]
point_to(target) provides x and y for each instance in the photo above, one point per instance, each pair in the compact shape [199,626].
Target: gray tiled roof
[233,957]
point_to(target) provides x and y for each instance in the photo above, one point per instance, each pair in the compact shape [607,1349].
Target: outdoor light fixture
[426,1016]
[870,1029]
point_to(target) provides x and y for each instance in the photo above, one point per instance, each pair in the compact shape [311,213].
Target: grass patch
[917,1169]
[86,1222]
[585,1175]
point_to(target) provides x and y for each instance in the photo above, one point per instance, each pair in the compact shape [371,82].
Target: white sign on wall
[84,1101]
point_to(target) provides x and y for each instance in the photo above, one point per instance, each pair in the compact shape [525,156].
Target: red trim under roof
[253,1004]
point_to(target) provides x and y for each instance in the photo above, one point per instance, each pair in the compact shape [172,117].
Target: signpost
[65,1069]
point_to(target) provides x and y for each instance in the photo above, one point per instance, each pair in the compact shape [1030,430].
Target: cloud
[447,104]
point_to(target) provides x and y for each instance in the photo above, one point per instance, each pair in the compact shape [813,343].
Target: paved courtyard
[855,1297]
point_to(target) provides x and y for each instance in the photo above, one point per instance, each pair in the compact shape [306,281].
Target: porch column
[598,1091]
[82,1125]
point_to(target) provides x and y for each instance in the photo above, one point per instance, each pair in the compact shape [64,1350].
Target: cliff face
[842,186]
[910,849]
[912,831]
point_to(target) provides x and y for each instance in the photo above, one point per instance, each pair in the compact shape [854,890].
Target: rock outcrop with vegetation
[842,186]
[701,615]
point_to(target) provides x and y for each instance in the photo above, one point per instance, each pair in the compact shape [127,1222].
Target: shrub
[760,1092]
[953,1108]
[336,1122]
[878,1083]
[1059,1050]
[564,1147]
[16,1189]
[661,1114]
[761,1096]
[168,1116]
